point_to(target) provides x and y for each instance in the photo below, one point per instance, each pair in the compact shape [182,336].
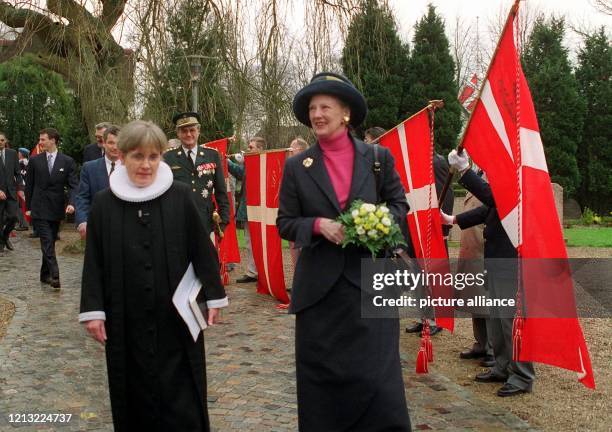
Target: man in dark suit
[199,167]
[96,150]
[10,183]
[94,177]
[48,174]
[502,276]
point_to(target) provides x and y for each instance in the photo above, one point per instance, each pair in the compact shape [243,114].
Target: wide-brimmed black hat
[335,85]
[186,119]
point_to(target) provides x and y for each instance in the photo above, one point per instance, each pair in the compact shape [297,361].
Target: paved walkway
[48,365]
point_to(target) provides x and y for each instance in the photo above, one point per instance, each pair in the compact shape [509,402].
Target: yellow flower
[358,221]
[367,226]
[380,227]
[385,230]
[379,213]
[363,211]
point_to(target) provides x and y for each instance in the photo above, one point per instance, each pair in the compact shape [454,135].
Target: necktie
[190,159]
[112,168]
[2,156]
[50,162]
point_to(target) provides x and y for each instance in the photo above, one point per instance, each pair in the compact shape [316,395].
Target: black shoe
[416,328]
[55,284]
[46,280]
[489,376]
[8,244]
[511,390]
[487,361]
[434,330]
[246,279]
[471,354]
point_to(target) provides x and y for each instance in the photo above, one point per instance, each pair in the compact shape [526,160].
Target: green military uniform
[205,178]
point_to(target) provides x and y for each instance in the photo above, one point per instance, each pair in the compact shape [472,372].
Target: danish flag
[264,172]
[503,138]
[412,148]
[229,251]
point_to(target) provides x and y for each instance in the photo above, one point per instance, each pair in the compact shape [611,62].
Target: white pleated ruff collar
[123,188]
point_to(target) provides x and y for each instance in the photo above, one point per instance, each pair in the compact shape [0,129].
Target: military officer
[200,167]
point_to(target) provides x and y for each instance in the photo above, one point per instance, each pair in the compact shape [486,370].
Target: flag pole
[451,173]
[433,104]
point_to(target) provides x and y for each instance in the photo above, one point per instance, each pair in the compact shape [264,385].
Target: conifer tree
[594,155]
[375,60]
[432,76]
[558,105]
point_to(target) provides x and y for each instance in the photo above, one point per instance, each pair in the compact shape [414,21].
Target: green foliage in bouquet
[370,226]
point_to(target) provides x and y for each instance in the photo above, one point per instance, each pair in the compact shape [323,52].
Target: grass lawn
[589,236]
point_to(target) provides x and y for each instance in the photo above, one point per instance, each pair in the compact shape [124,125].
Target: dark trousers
[483,338]
[8,218]
[47,230]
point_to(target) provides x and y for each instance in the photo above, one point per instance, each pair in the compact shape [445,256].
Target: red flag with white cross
[412,148]
[503,138]
[264,172]
[229,251]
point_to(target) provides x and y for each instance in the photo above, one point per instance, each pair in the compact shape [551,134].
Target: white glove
[459,161]
[239,157]
[446,219]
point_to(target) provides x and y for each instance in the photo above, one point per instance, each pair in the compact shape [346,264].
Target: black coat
[92,152]
[496,241]
[10,174]
[441,170]
[307,193]
[45,193]
[103,283]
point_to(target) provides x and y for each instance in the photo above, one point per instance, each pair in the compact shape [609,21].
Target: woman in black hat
[348,368]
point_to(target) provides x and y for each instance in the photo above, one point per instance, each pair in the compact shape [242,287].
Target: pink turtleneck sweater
[338,155]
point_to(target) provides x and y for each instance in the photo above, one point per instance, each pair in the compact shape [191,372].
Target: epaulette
[209,148]
[170,149]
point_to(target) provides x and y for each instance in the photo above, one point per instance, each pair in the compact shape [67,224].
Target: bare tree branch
[111,12]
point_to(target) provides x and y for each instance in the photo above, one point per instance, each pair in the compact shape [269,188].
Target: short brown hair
[260,142]
[52,133]
[111,130]
[140,132]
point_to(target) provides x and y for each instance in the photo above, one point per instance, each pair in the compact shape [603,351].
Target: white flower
[370,208]
[386,221]
[205,193]
[355,213]
[360,231]
[209,184]
[372,233]
[384,209]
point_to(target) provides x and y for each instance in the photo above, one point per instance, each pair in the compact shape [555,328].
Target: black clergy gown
[137,252]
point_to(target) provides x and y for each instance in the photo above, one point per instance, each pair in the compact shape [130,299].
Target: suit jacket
[496,241]
[204,179]
[441,173]
[10,174]
[238,171]
[307,193]
[92,152]
[94,178]
[45,193]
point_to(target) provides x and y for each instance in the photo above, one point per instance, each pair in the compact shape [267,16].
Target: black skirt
[349,375]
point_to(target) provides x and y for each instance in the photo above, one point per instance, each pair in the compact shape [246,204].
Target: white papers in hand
[184,300]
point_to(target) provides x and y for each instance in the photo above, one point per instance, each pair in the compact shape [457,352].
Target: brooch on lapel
[179,153]
[201,153]
[205,193]
[307,162]
[61,169]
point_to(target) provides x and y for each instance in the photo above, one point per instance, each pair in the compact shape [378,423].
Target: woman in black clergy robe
[142,234]
[349,376]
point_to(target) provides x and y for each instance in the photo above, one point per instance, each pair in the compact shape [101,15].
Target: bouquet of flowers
[370,226]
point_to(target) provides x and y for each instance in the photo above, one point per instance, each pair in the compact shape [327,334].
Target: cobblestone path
[48,365]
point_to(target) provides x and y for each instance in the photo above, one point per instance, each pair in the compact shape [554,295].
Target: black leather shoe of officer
[46,280]
[55,284]
[416,328]
[246,279]
[489,376]
[472,354]
[434,330]
[8,244]
[511,390]
[487,361]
